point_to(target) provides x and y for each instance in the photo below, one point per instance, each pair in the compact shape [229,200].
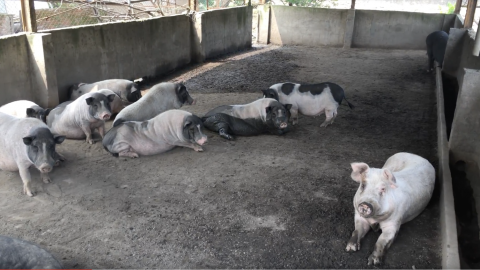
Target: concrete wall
[307,26]
[393,29]
[6,24]
[120,50]
[217,32]
[351,28]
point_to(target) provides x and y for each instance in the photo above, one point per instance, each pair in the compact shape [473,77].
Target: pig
[159,134]
[436,45]
[160,98]
[26,142]
[261,116]
[117,105]
[128,91]
[309,99]
[25,108]
[20,254]
[77,119]
[389,197]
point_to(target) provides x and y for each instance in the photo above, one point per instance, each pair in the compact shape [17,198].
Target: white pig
[309,99]
[160,98]
[389,197]
[77,119]
[25,142]
[25,108]
[159,134]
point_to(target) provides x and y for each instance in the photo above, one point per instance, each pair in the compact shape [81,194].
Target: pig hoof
[28,192]
[198,148]
[91,141]
[353,246]
[375,260]
[128,154]
[46,179]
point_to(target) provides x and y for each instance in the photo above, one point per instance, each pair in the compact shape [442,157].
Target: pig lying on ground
[309,99]
[19,254]
[26,142]
[159,134]
[436,45]
[25,108]
[261,116]
[389,197]
[160,98]
[77,119]
[128,91]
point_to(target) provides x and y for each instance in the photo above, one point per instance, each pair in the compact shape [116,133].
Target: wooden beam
[471,6]
[353,4]
[29,20]
[458,7]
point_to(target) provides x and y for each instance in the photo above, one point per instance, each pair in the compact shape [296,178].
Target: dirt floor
[257,202]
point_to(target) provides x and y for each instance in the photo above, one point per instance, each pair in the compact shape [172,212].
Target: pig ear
[288,106]
[265,93]
[31,112]
[89,100]
[358,170]
[47,111]
[28,140]
[387,174]
[59,139]
[187,123]
[111,97]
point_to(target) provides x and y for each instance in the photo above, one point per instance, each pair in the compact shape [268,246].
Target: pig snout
[283,125]
[105,116]
[45,168]
[365,209]
[202,141]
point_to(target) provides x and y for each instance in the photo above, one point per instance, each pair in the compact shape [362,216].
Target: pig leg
[101,130]
[124,150]
[88,132]
[383,243]
[294,115]
[194,146]
[330,116]
[58,158]
[45,178]
[128,154]
[361,228]
[27,180]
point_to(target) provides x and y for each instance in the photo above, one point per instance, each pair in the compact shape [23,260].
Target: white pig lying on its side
[25,142]
[389,197]
[159,134]
[25,108]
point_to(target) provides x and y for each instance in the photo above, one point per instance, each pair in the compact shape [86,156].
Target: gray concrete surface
[125,50]
[263,35]
[394,29]
[217,32]
[349,29]
[307,26]
[6,24]
[450,257]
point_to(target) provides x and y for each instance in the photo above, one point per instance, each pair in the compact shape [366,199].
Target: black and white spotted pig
[159,134]
[127,90]
[25,142]
[436,45]
[20,254]
[261,116]
[25,108]
[77,119]
[309,99]
[160,98]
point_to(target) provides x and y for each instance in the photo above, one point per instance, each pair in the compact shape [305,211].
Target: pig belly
[139,144]
[8,165]
[313,105]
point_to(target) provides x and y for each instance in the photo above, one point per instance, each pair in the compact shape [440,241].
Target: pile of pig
[153,123]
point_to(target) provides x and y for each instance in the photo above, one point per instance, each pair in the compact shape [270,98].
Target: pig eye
[382,190]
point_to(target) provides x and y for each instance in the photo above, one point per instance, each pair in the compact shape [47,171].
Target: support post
[476,45]
[471,6]
[29,20]
[458,6]
[353,4]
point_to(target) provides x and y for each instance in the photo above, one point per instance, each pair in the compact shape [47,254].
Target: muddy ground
[257,202]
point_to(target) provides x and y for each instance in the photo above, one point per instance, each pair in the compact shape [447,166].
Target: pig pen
[256,202]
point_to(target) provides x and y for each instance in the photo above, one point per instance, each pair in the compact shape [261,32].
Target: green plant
[449,9]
